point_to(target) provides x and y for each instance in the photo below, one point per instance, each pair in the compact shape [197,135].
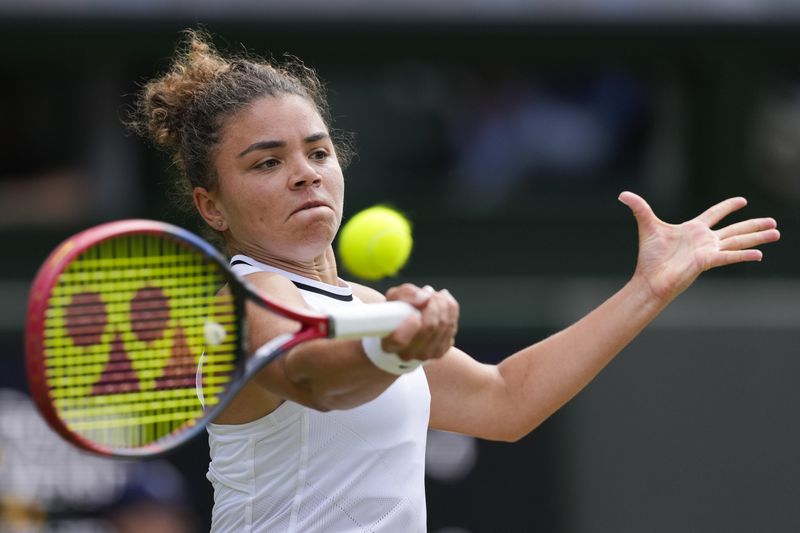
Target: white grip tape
[377,320]
[388,362]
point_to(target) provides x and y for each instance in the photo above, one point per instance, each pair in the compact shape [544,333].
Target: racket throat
[280,345]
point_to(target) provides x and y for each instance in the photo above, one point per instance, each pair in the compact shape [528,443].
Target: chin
[314,244]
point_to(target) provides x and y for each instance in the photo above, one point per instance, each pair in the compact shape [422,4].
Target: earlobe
[209,208]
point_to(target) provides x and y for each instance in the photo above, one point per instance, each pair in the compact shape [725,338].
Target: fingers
[748,226]
[438,328]
[432,332]
[712,216]
[748,234]
[408,292]
[403,335]
[738,256]
[409,328]
[737,241]
[439,321]
[749,240]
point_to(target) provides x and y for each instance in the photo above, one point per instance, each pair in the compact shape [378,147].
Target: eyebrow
[266,145]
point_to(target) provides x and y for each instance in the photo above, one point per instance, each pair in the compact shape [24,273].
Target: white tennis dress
[300,470]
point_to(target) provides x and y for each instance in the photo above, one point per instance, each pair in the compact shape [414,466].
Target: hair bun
[164,102]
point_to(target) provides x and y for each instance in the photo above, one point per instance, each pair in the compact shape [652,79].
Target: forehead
[272,118]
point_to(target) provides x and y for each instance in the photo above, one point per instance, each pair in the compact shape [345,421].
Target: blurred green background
[505,132]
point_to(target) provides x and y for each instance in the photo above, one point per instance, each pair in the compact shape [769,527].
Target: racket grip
[371,320]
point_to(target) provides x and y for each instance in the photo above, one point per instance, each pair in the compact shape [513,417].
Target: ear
[210,208]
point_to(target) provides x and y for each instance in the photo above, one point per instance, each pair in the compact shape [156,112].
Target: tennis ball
[375,243]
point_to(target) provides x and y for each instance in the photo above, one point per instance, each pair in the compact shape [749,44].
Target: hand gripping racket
[131,348]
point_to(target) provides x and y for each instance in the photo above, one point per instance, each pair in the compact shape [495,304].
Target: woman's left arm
[507,401]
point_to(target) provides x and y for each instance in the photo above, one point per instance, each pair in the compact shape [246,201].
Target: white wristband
[388,362]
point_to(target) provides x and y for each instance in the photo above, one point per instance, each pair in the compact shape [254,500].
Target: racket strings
[88,332]
[124,338]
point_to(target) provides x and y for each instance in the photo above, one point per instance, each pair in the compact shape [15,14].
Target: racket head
[120,316]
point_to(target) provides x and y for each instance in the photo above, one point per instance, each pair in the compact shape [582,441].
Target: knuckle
[428,328]
[403,290]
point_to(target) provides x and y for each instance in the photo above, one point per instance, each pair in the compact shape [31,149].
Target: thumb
[399,339]
[640,208]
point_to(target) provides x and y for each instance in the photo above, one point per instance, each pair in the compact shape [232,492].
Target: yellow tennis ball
[375,243]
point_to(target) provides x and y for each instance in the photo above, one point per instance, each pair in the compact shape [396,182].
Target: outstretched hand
[672,256]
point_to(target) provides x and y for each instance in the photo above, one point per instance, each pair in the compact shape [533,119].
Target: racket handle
[371,320]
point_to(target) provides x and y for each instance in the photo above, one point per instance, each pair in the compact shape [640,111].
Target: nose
[305,175]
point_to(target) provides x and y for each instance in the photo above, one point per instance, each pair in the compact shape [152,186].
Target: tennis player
[331,437]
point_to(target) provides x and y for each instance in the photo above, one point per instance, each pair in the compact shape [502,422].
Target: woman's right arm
[332,374]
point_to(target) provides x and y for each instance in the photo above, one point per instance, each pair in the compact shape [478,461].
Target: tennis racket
[131,347]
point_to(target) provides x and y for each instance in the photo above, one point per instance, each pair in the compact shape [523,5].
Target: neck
[321,268]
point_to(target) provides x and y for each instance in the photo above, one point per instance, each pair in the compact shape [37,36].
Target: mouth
[311,204]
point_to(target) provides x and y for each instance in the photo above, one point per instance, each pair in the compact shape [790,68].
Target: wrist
[645,296]
[387,361]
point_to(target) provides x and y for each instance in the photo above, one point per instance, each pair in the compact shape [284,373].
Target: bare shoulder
[277,287]
[366,294]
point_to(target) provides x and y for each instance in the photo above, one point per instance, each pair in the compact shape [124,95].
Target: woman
[331,437]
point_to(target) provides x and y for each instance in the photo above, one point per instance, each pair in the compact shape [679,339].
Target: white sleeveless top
[301,470]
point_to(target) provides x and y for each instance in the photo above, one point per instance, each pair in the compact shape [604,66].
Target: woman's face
[281,189]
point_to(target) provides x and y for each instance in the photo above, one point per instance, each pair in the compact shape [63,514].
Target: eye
[268,163]
[319,154]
